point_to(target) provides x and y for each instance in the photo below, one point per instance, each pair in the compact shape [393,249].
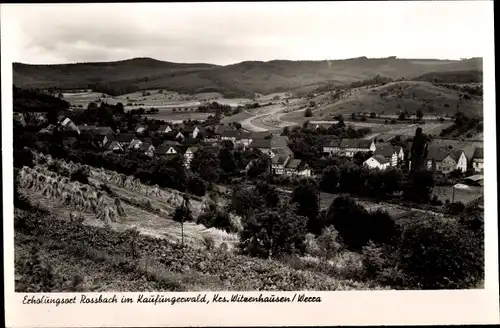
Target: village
[444,156]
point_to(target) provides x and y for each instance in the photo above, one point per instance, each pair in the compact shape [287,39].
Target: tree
[308,112]
[418,150]
[206,164]
[420,188]
[306,197]
[286,131]
[419,114]
[274,233]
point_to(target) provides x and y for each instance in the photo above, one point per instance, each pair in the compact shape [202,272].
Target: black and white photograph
[249,147]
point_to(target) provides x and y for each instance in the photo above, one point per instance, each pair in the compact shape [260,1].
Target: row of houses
[439,158]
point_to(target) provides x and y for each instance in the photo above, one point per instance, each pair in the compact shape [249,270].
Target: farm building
[101,134]
[278,163]
[477,160]
[349,147]
[271,146]
[125,139]
[439,160]
[377,162]
[332,147]
[296,167]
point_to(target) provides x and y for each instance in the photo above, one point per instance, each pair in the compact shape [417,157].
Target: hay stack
[107,215]
[119,207]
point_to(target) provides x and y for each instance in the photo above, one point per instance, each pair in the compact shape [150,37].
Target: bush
[442,254]
[274,233]
[308,112]
[216,219]
[81,175]
[196,185]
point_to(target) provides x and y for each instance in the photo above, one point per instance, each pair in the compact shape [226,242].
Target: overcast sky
[226,33]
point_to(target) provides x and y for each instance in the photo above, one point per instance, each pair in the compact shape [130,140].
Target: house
[388,152]
[295,167]
[141,129]
[164,128]
[114,146]
[167,148]
[102,134]
[175,135]
[278,164]
[271,145]
[188,155]
[349,147]
[146,148]
[441,160]
[124,139]
[238,138]
[332,147]
[135,144]
[477,160]
[191,131]
[377,162]
[68,125]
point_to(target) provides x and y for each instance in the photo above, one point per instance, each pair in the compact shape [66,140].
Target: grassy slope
[398,96]
[105,261]
[241,79]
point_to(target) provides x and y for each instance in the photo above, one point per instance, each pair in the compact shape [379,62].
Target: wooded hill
[239,80]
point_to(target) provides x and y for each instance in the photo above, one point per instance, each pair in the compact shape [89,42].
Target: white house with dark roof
[445,160]
[388,152]
[349,147]
[377,162]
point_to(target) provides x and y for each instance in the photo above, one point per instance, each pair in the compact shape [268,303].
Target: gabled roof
[332,143]
[124,137]
[455,154]
[385,150]
[170,143]
[259,135]
[192,149]
[478,152]
[293,164]
[273,142]
[279,160]
[163,149]
[163,127]
[440,153]
[381,159]
[284,151]
[100,130]
[114,144]
[355,143]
